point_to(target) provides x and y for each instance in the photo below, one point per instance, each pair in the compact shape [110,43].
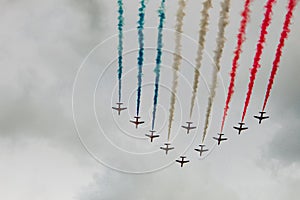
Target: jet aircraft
[182,161]
[240,128]
[189,127]
[152,135]
[136,121]
[220,138]
[261,117]
[119,108]
[167,148]
[201,150]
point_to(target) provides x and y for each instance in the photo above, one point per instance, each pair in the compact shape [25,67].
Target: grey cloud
[42,46]
[285,145]
[91,9]
[284,106]
[170,184]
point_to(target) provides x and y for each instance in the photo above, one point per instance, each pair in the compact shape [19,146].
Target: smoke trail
[283,37]
[240,40]
[202,33]
[162,16]
[177,60]
[259,49]
[223,22]
[140,59]
[120,47]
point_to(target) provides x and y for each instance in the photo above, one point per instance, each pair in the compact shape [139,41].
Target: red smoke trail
[240,40]
[259,49]
[284,35]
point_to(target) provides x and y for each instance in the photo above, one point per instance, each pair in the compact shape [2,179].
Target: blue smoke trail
[141,53]
[162,17]
[120,47]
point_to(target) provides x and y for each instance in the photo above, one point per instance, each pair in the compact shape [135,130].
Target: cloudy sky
[59,138]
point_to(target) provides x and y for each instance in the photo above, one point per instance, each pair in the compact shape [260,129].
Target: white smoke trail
[202,33]
[223,22]
[177,60]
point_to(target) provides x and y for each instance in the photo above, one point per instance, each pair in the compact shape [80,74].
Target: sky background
[43,46]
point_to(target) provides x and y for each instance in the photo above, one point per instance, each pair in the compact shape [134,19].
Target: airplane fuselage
[182,161]
[136,122]
[201,150]
[167,148]
[188,127]
[152,135]
[220,138]
[240,128]
[261,117]
[119,108]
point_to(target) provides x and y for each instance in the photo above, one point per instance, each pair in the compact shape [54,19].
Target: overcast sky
[47,47]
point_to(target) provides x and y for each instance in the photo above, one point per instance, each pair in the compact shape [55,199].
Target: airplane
[167,148]
[152,135]
[220,139]
[137,122]
[182,161]
[261,117]
[189,127]
[201,149]
[241,128]
[119,108]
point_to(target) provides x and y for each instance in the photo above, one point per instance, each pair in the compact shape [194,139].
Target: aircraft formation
[201,150]
[220,42]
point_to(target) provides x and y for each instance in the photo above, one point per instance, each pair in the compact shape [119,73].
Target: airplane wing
[215,138]
[152,136]
[257,117]
[188,128]
[266,117]
[203,150]
[140,122]
[182,161]
[223,139]
[123,108]
[114,108]
[240,129]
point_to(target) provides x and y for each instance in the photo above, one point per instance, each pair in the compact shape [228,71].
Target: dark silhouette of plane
[220,138]
[152,135]
[119,108]
[240,128]
[201,150]
[182,161]
[261,117]
[136,121]
[167,148]
[189,127]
